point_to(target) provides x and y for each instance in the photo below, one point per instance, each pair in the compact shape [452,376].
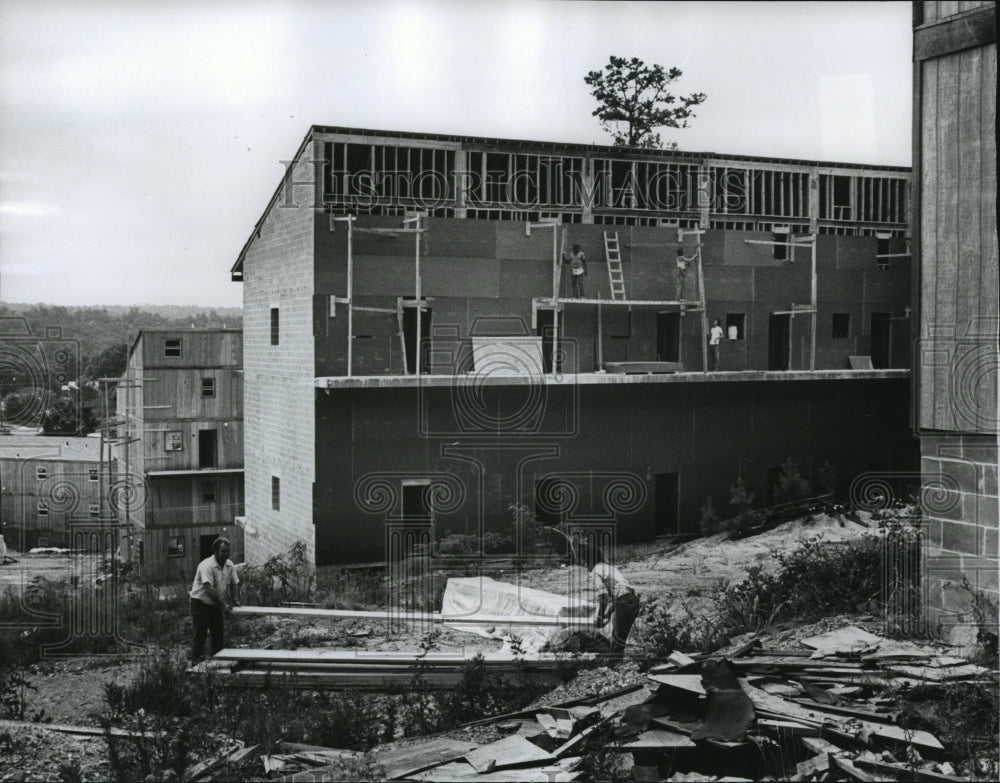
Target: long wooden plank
[459,771]
[975,29]
[949,182]
[353,682]
[84,731]
[928,238]
[411,617]
[969,241]
[989,283]
[431,659]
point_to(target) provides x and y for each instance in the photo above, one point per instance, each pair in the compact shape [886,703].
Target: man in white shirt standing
[215,591]
[714,342]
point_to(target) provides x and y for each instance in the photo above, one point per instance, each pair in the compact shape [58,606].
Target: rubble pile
[827,709]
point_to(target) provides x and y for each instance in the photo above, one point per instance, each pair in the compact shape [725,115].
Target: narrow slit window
[274,326]
[275,493]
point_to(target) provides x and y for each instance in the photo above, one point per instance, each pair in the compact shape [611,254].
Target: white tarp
[465,596]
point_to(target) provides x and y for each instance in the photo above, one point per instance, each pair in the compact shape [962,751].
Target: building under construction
[416,362]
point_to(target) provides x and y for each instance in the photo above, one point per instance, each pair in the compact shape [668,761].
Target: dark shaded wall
[370,441]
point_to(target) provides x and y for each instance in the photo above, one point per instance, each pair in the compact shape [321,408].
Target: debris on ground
[815,711]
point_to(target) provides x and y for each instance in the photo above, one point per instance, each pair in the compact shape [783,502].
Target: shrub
[531,533]
[746,518]
[603,759]
[283,578]
[491,542]
[343,588]
[14,687]
[659,632]
[820,578]
[160,686]
[750,605]
[964,716]
[791,486]
[827,475]
[709,523]
[985,614]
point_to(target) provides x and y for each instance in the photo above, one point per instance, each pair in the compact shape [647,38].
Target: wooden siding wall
[179,501]
[954,78]
[958,240]
[65,493]
[199,349]
[168,566]
[163,395]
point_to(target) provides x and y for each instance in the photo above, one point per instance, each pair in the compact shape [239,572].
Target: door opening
[668,336]
[779,340]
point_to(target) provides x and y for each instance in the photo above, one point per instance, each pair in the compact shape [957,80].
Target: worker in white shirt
[578,270]
[617,602]
[215,591]
[714,342]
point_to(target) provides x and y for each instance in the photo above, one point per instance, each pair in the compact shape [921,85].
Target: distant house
[49,483]
[416,360]
[180,445]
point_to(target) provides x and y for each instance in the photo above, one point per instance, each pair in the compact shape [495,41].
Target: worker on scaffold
[578,270]
[683,262]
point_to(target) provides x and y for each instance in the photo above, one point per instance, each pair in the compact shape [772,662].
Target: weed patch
[660,632]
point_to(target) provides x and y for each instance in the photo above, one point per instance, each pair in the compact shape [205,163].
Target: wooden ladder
[615,274]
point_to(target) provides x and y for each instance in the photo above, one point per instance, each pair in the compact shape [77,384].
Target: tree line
[51,357]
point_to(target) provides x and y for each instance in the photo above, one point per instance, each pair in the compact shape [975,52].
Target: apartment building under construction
[416,361]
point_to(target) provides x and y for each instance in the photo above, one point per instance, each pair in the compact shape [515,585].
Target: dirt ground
[49,566]
[69,691]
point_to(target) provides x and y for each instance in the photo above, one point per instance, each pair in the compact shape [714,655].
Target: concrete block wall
[961,517]
[279,407]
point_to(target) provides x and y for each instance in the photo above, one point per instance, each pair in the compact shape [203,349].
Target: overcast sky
[140,141]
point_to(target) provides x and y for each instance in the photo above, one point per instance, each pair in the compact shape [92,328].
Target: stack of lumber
[366,670]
